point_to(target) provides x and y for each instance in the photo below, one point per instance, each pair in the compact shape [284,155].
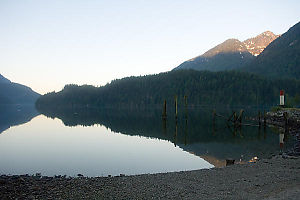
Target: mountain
[14,93]
[281,59]
[231,54]
[257,44]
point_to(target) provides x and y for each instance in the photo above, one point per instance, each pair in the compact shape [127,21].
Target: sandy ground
[275,178]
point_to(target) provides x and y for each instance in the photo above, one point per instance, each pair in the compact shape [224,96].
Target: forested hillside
[201,88]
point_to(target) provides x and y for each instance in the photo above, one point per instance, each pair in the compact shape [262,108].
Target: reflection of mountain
[194,134]
[13,115]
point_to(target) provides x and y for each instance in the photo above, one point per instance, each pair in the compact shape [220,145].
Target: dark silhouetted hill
[14,93]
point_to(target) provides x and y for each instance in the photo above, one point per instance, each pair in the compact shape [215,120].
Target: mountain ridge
[280,59]
[15,93]
[231,54]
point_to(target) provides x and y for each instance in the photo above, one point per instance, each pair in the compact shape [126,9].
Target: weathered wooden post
[259,119]
[281,99]
[265,119]
[235,121]
[240,117]
[185,105]
[175,135]
[176,111]
[265,125]
[164,115]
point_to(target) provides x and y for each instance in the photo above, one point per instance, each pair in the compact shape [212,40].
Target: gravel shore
[274,178]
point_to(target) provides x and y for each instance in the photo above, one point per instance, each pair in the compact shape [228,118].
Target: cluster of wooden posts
[235,120]
[164,114]
[164,118]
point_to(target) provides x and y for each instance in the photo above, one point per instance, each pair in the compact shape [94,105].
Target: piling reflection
[193,130]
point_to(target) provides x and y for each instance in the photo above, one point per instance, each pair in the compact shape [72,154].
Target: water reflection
[48,147]
[194,130]
[13,115]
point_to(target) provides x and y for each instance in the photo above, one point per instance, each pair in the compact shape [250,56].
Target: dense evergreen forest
[200,87]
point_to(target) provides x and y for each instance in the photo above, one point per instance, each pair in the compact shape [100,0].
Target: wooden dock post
[235,121]
[259,119]
[185,105]
[214,116]
[164,115]
[240,117]
[176,110]
[265,119]
[175,134]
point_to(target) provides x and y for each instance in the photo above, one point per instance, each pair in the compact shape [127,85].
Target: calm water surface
[101,143]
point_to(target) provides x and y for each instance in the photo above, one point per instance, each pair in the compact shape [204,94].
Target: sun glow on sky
[47,44]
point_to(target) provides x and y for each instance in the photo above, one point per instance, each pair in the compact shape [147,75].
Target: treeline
[201,88]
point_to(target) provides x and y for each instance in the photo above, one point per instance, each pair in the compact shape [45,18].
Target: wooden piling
[185,105]
[176,110]
[165,109]
[265,119]
[214,116]
[229,118]
[259,119]
[240,117]
[175,134]
[235,120]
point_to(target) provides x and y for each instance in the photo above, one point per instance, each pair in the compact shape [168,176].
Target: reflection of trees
[13,115]
[193,134]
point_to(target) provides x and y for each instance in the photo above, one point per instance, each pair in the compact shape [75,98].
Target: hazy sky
[46,44]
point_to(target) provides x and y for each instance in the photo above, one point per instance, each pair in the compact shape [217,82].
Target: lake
[101,142]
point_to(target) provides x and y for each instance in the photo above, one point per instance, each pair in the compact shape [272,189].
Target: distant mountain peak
[228,46]
[281,58]
[231,54]
[257,44]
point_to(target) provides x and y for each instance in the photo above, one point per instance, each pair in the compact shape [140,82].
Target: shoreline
[274,178]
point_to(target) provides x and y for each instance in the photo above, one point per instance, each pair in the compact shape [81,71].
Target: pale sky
[46,44]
